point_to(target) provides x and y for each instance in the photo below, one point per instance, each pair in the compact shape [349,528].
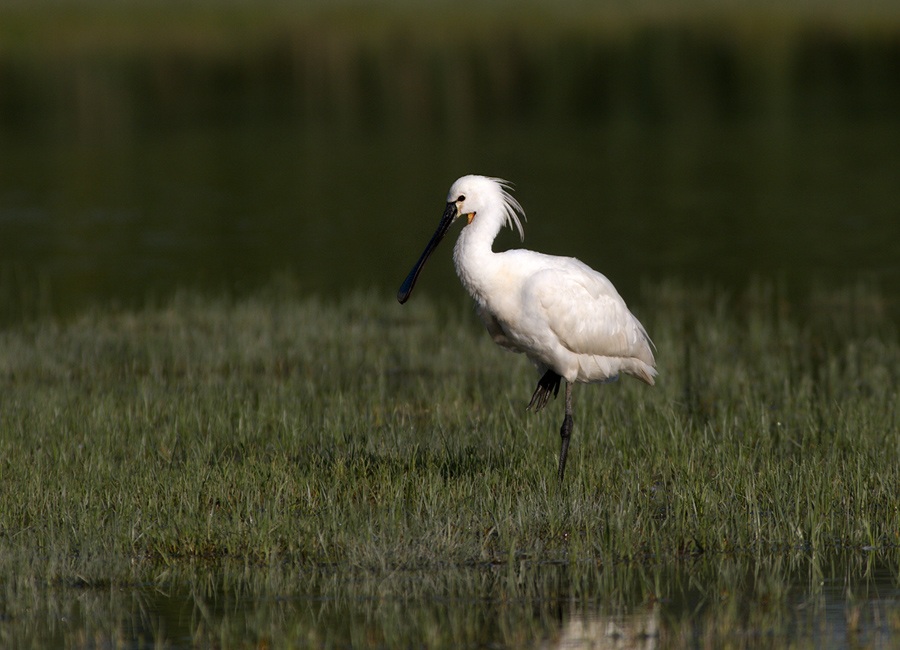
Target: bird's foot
[547,384]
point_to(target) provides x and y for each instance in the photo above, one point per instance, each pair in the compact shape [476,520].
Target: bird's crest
[513,208]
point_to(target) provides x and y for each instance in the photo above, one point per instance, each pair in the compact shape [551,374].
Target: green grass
[367,434]
[309,442]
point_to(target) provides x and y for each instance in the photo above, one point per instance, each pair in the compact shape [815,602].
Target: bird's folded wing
[588,316]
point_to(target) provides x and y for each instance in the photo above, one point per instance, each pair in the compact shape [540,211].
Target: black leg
[565,432]
[547,384]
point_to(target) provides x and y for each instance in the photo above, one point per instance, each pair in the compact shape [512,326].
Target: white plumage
[567,318]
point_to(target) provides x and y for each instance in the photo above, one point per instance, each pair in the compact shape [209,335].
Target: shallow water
[723,602]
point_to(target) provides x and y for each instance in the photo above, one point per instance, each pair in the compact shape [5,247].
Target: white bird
[567,318]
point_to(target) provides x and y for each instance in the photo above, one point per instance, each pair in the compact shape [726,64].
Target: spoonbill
[567,318]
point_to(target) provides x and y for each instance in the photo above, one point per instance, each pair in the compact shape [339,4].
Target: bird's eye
[462,197]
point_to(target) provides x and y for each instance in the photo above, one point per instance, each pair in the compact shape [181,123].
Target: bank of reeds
[113,71]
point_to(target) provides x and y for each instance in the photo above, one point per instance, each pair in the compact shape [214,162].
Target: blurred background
[149,146]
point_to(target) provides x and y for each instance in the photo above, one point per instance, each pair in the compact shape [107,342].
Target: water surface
[666,151]
[718,602]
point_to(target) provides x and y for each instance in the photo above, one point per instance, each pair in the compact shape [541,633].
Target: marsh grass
[363,434]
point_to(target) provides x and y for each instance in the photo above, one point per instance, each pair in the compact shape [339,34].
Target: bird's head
[473,194]
[469,196]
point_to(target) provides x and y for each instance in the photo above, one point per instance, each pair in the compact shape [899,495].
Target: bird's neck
[474,257]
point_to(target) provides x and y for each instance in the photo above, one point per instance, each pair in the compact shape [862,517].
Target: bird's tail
[642,371]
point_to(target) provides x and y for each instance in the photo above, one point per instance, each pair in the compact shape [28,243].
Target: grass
[367,434]
[326,440]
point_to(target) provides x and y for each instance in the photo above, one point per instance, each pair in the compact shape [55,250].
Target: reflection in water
[634,631]
[717,602]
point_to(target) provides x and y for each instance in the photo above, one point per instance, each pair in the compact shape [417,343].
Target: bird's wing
[587,314]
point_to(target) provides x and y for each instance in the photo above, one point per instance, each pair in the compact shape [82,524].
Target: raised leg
[547,384]
[565,432]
